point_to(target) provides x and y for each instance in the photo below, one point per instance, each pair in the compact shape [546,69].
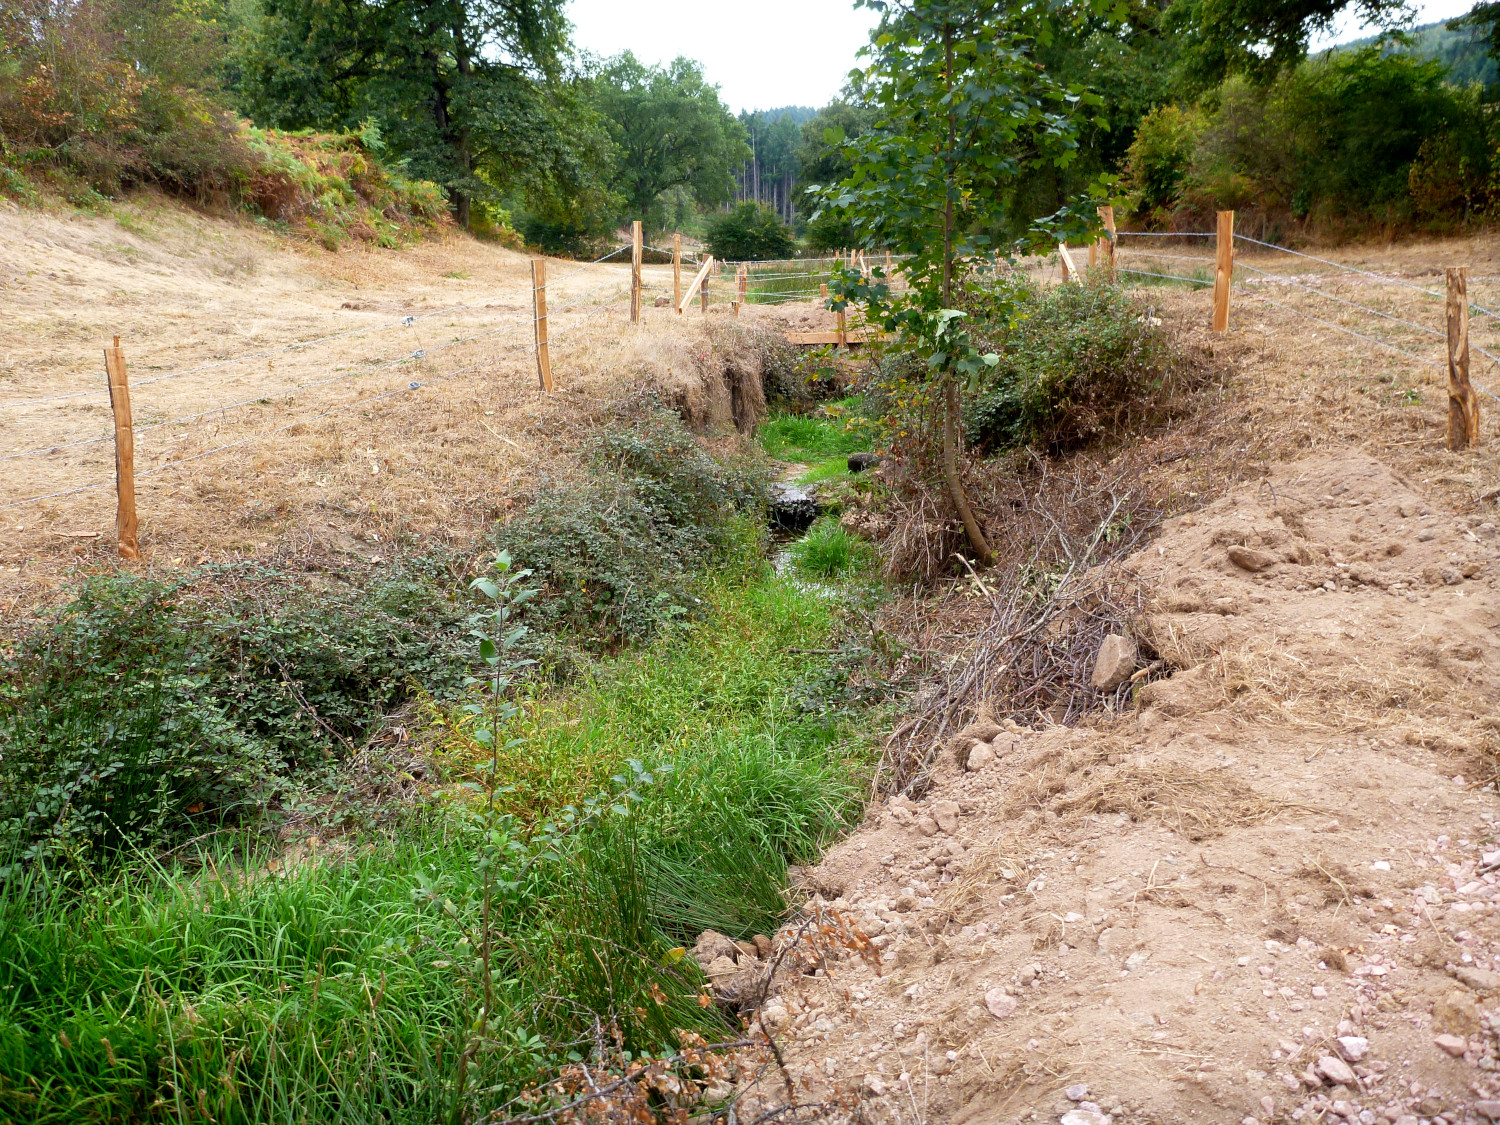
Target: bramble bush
[141,713]
[617,549]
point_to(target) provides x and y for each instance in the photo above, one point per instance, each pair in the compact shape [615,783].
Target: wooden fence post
[843,341]
[741,286]
[1108,215]
[887,263]
[703,293]
[823,290]
[635,272]
[1223,270]
[539,308]
[119,401]
[676,271]
[1093,255]
[1463,402]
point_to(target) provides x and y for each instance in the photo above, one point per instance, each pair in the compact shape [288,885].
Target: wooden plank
[119,400]
[696,284]
[1108,245]
[1223,270]
[635,272]
[539,311]
[1463,402]
[1069,270]
[676,270]
[847,338]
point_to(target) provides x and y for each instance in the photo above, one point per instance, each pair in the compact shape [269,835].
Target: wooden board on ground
[850,338]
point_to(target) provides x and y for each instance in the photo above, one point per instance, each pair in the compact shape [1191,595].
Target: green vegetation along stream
[345,980]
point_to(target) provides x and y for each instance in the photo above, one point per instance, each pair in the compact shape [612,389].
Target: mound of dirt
[1266,893]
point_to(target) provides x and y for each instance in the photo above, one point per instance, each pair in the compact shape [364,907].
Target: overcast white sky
[780,52]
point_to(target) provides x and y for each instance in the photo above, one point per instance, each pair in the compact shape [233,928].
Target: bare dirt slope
[1265,892]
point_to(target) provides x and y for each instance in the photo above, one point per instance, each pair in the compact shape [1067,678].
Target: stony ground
[1263,891]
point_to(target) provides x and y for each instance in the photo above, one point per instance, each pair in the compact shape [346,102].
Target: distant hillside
[1464,55]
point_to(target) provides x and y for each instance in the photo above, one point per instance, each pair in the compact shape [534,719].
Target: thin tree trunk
[952,418]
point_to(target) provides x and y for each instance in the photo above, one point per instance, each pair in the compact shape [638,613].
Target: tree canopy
[671,130]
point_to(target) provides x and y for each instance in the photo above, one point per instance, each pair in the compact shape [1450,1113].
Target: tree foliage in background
[749,232]
[962,112]
[467,92]
[671,131]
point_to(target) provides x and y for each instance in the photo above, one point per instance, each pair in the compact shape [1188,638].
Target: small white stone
[1136,960]
[999,1004]
[1077,1093]
[1353,1047]
[1381,865]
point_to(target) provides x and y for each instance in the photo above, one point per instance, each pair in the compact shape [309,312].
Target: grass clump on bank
[831,431]
[829,550]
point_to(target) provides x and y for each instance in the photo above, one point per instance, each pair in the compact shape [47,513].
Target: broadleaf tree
[963,112]
[466,92]
[671,130]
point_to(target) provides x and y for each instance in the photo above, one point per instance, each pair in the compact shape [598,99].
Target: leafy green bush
[1078,360]
[616,551]
[829,549]
[1159,159]
[140,713]
[751,232]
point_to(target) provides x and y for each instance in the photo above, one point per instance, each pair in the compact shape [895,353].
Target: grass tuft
[829,550]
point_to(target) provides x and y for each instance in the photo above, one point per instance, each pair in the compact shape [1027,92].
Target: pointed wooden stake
[1223,270]
[1463,402]
[119,401]
[635,272]
[539,306]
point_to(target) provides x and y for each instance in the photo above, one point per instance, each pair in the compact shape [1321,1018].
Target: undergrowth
[829,550]
[829,431]
[241,986]
[140,714]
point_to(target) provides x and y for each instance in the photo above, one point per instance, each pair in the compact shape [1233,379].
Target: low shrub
[617,549]
[749,232]
[140,713]
[1076,361]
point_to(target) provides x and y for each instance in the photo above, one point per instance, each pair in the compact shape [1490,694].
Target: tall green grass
[342,985]
[831,431]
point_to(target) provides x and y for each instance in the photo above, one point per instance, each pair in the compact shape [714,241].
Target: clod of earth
[1115,662]
[859,462]
[1248,558]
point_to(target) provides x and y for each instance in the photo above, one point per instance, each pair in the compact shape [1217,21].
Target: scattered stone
[874,1085]
[1490,1109]
[859,462]
[1248,558]
[794,506]
[1136,961]
[1455,1045]
[762,945]
[946,814]
[1084,1117]
[980,755]
[1115,662]
[927,826]
[774,1016]
[662,303]
[1353,1047]
[1335,1070]
[905,904]
[1319,992]
[1000,1005]
[1077,1093]
[1480,980]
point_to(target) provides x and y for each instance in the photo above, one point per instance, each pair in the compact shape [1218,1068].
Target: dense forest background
[1200,104]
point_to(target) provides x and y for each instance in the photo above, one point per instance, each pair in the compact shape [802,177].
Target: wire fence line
[404,320]
[1252,289]
[411,387]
